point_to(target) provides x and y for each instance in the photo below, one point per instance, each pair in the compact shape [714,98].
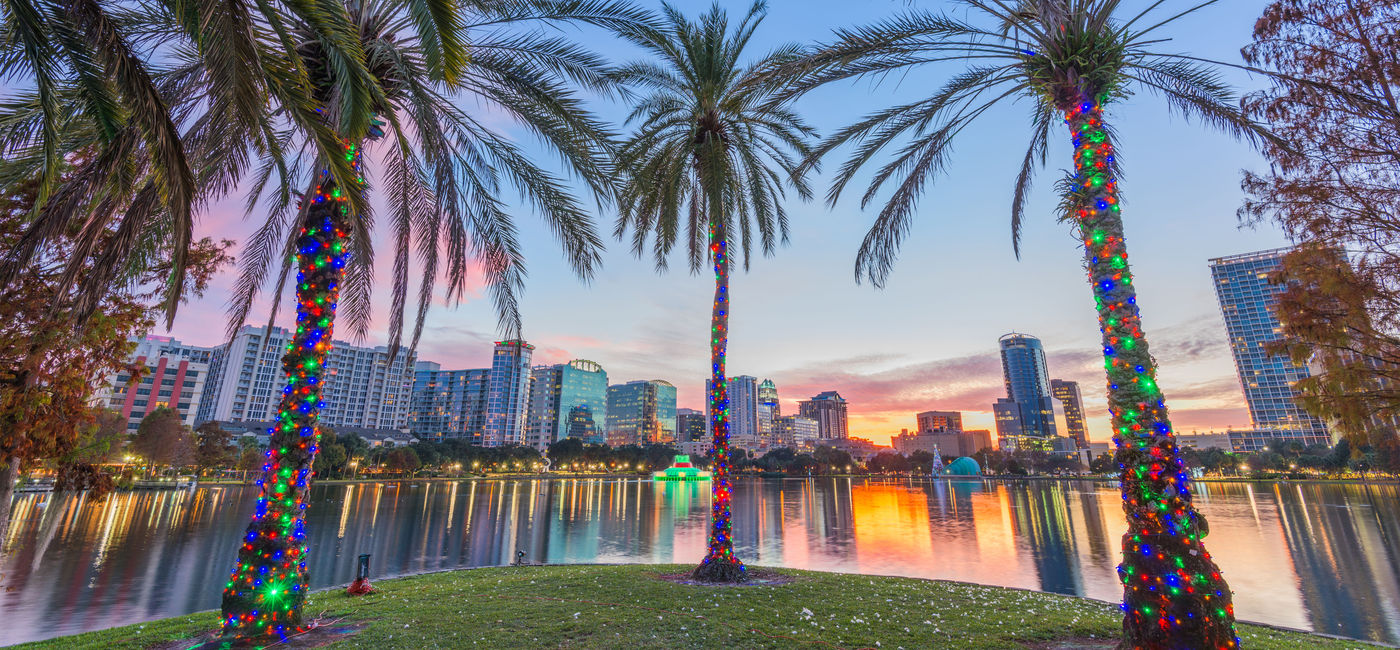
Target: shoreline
[646,477]
[647,605]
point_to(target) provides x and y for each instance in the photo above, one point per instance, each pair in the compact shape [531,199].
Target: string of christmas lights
[720,565]
[265,593]
[1173,594]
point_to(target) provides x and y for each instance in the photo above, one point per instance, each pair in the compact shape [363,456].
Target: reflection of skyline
[1040,519]
[1296,555]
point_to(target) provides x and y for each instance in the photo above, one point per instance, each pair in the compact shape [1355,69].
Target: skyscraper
[768,412]
[363,388]
[1027,395]
[1068,394]
[1247,300]
[569,400]
[829,410]
[508,386]
[448,403]
[743,412]
[641,413]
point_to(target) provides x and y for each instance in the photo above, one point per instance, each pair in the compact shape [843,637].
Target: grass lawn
[631,607]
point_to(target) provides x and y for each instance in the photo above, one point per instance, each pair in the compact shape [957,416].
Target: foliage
[164,440]
[607,607]
[1334,186]
[215,448]
[1055,54]
[402,459]
[52,361]
[332,460]
[442,168]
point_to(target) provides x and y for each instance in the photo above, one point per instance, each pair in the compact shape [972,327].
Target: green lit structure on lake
[681,470]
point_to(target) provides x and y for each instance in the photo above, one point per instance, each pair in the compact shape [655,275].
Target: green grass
[628,607]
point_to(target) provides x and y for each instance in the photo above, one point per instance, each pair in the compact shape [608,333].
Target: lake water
[1308,556]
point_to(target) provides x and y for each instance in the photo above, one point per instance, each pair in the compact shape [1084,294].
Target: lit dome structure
[963,467]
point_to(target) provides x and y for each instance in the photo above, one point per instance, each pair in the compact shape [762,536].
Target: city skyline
[800,320]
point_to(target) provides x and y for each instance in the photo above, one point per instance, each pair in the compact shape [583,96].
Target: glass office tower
[1028,391]
[1247,298]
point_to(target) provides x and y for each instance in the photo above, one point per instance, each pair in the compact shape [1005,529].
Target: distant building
[176,376]
[569,400]
[692,432]
[507,391]
[743,413]
[797,432]
[1247,301]
[1252,440]
[641,413]
[953,443]
[768,411]
[860,449]
[1068,394]
[484,406]
[362,387]
[1208,440]
[448,403]
[939,421]
[1026,416]
[829,410]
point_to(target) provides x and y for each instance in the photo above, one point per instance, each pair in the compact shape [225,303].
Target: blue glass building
[641,413]
[1026,417]
[1247,298]
[569,400]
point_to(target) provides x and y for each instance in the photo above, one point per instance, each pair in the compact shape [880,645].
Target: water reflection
[1310,556]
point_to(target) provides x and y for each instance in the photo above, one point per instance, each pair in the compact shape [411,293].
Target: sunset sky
[928,340]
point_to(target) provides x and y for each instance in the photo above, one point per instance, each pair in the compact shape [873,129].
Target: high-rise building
[448,403]
[569,400]
[1028,400]
[363,388]
[176,375]
[1247,300]
[768,412]
[641,413]
[743,412]
[1068,394]
[507,388]
[829,410]
[797,432]
[939,421]
[692,432]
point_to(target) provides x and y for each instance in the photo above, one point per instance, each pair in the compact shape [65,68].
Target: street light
[354,468]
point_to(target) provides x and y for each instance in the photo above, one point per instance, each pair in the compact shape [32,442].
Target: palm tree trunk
[720,565]
[264,596]
[1173,594]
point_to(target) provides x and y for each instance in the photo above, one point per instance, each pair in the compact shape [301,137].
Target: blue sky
[929,339]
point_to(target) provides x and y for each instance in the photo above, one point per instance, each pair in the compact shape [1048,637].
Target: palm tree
[1070,59]
[142,146]
[709,158]
[443,170]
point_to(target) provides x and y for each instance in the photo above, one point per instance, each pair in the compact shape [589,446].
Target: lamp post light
[354,469]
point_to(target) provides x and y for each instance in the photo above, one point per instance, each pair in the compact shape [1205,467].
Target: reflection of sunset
[891,525]
[1302,555]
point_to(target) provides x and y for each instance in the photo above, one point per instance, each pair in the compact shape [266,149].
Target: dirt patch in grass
[757,578]
[1074,643]
[325,633]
